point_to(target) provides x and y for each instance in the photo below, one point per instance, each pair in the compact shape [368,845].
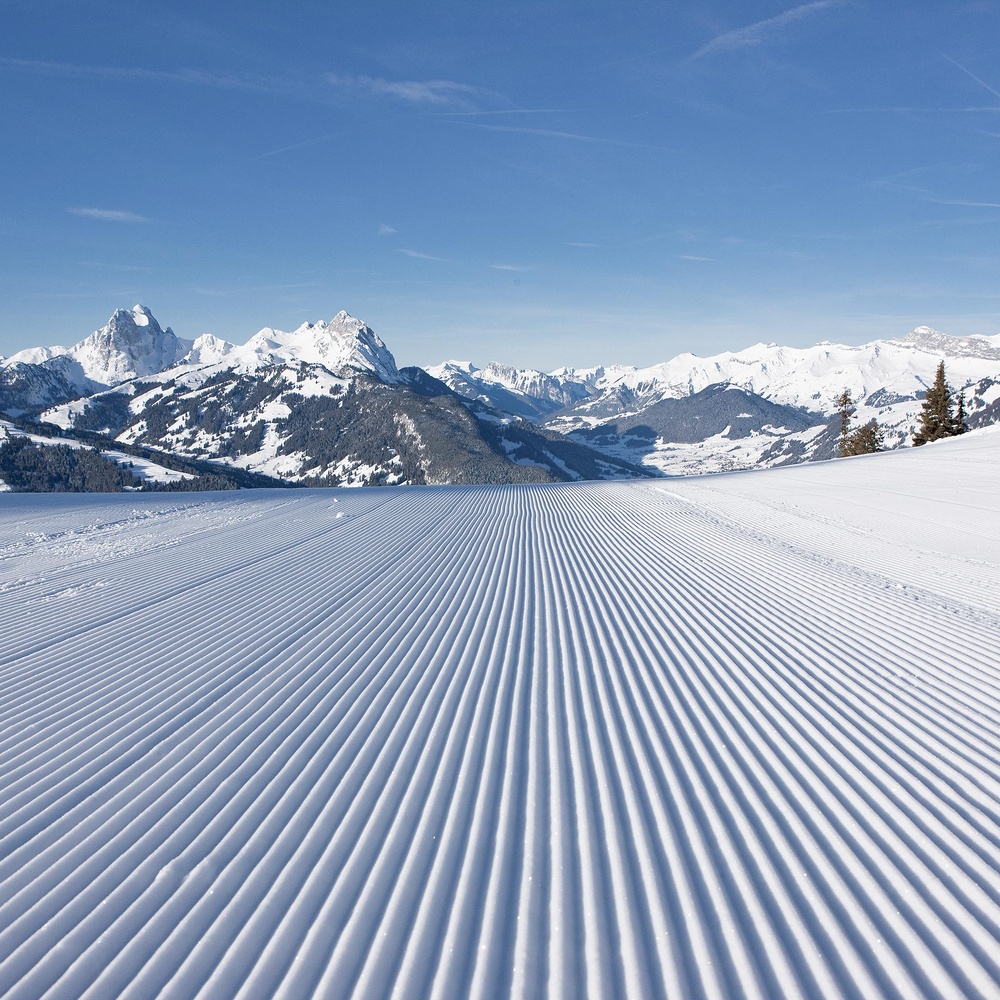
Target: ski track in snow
[596,740]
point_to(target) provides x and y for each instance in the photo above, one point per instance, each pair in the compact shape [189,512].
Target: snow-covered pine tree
[936,419]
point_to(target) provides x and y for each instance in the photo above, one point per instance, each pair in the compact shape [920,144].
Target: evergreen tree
[936,417]
[959,426]
[866,440]
[845,408]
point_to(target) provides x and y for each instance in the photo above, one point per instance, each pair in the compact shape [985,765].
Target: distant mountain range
[763,406]
[326,404]
[323,405]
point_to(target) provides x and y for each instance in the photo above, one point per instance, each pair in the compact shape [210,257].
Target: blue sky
[540,183]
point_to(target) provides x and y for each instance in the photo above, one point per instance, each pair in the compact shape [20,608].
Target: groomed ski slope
[702,738]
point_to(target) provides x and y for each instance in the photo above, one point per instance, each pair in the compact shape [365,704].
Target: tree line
[942,415]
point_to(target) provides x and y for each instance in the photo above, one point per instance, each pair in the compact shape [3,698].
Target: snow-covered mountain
[131,345]
[887,378]
[26,387]
[343,343]
[523,391]
[812,377]
[327,403]
[208,350]
[323,404]
[38,460]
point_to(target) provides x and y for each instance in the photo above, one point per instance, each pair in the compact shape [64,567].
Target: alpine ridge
[131,345]
[886,378]
[324,404]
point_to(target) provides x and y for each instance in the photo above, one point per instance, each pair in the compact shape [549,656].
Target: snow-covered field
[725,737]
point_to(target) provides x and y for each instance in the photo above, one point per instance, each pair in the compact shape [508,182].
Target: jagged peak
[342,342]
[141,315]
[131,344]
[138,317]
[208,349]
[926,338]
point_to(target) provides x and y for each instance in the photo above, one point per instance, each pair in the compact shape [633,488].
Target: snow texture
[718,737]
[811,377]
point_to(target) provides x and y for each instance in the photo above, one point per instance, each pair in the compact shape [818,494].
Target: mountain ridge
[245,404]
[886,378]
[324,404]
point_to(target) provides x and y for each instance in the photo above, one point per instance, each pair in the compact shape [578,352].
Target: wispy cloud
[107,215]
[907,182]
[384,230]
[507,267]
[573,243]
[761,31]
[206,78]
[691,256]
[549,133]
[963,203]
[506,111]
[301,145]
[429,92]
[907,110]
[969,73]
[418,255]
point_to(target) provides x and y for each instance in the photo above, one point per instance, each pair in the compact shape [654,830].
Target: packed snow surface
[726,737]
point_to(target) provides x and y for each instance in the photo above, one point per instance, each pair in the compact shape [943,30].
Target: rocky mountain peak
[928,339]
[343,342]
[131,345]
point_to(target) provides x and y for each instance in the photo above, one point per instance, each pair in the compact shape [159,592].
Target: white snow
[343,342]
[727,737]
[207,350]
[890,373]
[130,345]
[146,470]
[811,377]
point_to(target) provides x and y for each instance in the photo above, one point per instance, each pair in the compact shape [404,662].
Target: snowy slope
[598,740]
[144,469]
